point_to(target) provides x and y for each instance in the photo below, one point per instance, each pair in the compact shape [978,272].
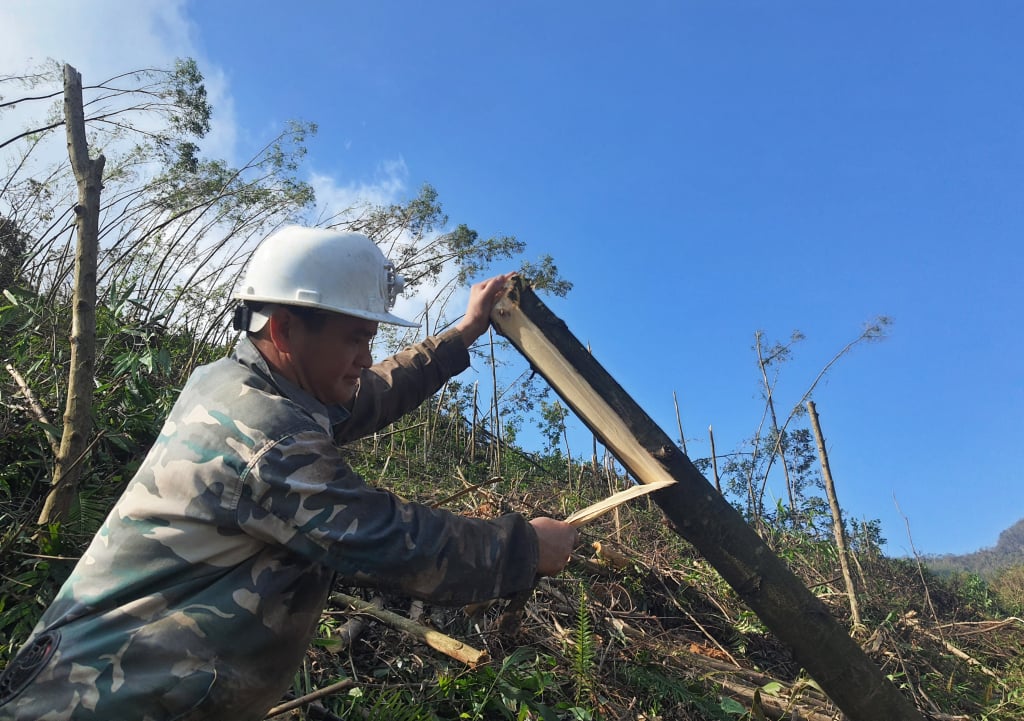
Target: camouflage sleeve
[390,389]
[300,493]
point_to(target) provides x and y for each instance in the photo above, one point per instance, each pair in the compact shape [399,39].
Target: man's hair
[313,318]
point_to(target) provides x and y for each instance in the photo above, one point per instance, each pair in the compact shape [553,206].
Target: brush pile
[640,627]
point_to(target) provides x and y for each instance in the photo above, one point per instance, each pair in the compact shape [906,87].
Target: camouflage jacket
[201,591]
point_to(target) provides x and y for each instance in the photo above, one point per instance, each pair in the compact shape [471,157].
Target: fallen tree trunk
[699,513]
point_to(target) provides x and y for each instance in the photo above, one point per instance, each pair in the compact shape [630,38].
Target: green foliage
[543,277]
[33,570]
[388,705]
[1008,585]
[661,690]
[584,650]
[412,235]
[552,425]
[514,691]
[13,244]
[1004,700]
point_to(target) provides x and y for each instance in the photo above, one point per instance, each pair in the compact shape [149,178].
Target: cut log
[699,513]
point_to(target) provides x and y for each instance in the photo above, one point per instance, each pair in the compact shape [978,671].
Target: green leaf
[732,707]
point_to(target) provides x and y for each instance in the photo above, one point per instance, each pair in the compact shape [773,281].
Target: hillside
[641,627]
[987,562]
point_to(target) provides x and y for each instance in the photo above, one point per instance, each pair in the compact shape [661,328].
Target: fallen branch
[986,626]
[438,641]
[37,409]
[311,697]
[351,629]
[771,706]
[970,660]
[465,491]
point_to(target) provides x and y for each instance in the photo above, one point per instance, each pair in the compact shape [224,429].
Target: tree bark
[837,516]
[699,513]
[78,410]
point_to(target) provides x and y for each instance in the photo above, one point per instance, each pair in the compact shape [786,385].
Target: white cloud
[100,38]
[335,198]
[104,38]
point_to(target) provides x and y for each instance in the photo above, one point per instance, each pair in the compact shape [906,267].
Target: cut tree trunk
[699,513]
[78,410]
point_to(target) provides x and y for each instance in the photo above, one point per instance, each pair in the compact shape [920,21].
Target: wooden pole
[700,513]
[838,530]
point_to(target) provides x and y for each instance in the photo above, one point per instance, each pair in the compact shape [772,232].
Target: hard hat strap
[242,317]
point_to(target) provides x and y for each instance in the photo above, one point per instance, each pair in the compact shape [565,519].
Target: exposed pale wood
[700,513]
[438,641]
[352,628]
[37,410]
[596,510]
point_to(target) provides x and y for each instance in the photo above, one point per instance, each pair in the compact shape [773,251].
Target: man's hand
[555,541]
[482,297]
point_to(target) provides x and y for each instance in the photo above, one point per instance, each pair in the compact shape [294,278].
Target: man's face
[327,363]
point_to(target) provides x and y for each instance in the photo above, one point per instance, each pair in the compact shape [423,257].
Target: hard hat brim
[259,318]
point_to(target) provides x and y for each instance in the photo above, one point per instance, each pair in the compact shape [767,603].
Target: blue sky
[700,171]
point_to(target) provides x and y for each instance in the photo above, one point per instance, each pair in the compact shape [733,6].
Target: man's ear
[280,326]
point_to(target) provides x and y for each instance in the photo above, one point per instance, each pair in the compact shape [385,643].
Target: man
[201,591]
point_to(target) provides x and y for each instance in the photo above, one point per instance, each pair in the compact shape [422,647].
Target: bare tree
[77,413]
[838,529]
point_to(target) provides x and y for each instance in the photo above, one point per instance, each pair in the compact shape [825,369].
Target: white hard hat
[328,269]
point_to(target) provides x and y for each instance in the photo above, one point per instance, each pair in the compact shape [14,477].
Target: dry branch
[352,628]
[438,641]
[37,410]
[311,697]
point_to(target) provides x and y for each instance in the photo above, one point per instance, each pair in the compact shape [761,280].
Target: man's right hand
[482,297]
[555,541]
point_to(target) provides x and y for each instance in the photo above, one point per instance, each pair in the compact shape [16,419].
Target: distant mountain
[1008,551]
